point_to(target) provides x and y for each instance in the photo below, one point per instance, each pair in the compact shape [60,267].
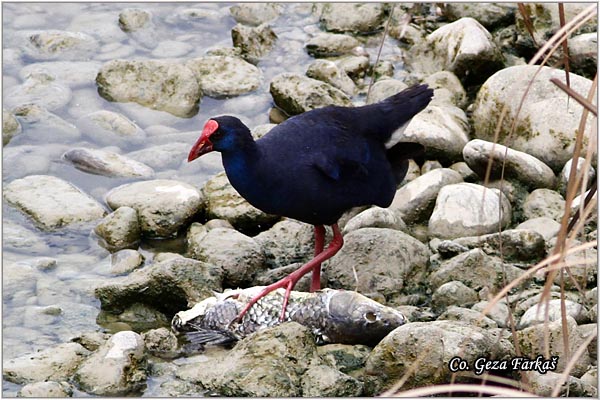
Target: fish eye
[370,316]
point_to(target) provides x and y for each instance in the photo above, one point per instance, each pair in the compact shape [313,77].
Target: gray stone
[543,129]
[42,126]
[52,364]
[583,54]
[171,49]
[168,86]
[446,89]
[325,381]
[133,19]
[490,15]
[162,157]
[278,273]
[116,368]
[46,389]
[591,377]
[72,73]
[224,76]
[361,18]
[384,88]
[414,201]
[537,313]
[241,257]
[472,317]
[383,69]
[545,226]
[498,312]
[106,163]
[430,165]
[224,202]
[254,14]
[254,42]
[531,342]
[287,242]
[329,72]
[511,244]
[16,237]
[10,126]
[119,229]
[375,217]
[163,206]
[544,203]
[467,173]
[453,293]
[296,94]
[52,202]
[378,260]
[64,45]
[38,89]
[463,47]
[167,285]
[161,341]
[527,169]
[434,344]
[331,45]
[101,25]
[466,209]
[124,261]
[563,177]
[109,128]
[543,385]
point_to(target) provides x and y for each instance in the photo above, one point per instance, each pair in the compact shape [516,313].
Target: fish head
[356,319]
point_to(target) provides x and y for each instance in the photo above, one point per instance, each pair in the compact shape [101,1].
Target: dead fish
[334,316]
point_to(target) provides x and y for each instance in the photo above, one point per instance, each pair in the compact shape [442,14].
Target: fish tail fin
[202,336]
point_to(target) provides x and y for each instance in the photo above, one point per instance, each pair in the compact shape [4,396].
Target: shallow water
[80,263]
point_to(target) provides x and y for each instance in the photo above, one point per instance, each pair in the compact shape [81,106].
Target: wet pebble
[38,89]
[119,229]
[224,76]
[106,163]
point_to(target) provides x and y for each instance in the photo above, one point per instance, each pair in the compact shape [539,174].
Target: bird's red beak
[203,144]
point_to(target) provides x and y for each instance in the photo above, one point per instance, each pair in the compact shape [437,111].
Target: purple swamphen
[315,166]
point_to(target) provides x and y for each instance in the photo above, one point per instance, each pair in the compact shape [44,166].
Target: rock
[499,312]
[241,257]
[466,209]
[442,129]
[46,389]
[52,202]
[72,73]
[296,94]
[91,340]
[331,45]
[160,342]
[278,273]
[430,165]
[544,203]
[434,344]
[471,317]
[475,269]
[168,86]
[125,261]
[349,359]
[224,202]
[10,126]
[254,14]
[133,19]
[109,128]
[385,88]
[453,293]
[447,89]
[328,72]
[545,226]
[511,244]
[583,54]
[17,238]
[42,126]
[224,76]
[171,49]
[531,342]
[463,47]
[253,42]
[467,173]
[537,313]
[378,260]
[106,163]
[383,69]
[162,157]
[325,381]
[544,384]
[490,15]
[52,364]
[64,45]
[119,229]
[271,362]
[287,242]
[355,67]
[116,368]
[564,175]
[38,90]
[163,206]
[414,201]
[513,164]
[583,270]
[591,377]
[375,217]
[586,331]
[544,129]
[101,25]
[357,18]
[169,286]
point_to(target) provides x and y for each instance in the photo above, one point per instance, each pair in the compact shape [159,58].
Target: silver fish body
[334,316]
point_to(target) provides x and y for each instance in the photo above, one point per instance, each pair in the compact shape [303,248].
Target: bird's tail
[395,112]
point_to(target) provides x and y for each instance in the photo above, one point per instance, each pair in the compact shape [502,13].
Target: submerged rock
[106,163]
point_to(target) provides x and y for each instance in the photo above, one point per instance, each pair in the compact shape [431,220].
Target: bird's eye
[370,316]
[218,134]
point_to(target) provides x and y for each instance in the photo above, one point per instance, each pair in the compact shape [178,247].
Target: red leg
[290,281]
[319,245]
